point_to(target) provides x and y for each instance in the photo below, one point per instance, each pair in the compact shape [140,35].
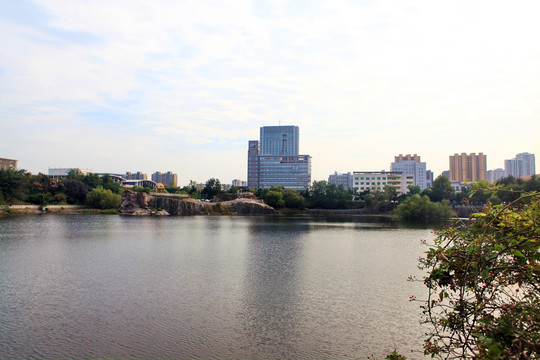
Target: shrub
[100,198]
[484,285]
[420,208]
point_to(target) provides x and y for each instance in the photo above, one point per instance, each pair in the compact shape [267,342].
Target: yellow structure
[470,167]
[160,188]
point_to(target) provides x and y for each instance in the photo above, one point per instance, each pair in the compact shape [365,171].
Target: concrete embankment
[39,209]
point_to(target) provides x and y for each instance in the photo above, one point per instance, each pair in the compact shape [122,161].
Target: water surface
[87,286]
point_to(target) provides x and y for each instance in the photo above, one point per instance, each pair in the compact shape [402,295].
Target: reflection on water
[207,287]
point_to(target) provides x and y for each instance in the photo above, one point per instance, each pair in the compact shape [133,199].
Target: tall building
[522,165]
[341,179]
[136,176]
[429,178]
[468,167]
[411,165]
[8,164]
[275,160]
[495,174]
[279,140]
[407,157]
[168,178]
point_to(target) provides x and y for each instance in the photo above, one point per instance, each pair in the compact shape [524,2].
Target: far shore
[52,209]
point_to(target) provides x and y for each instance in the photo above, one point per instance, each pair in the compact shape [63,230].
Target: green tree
[100,198]
[441,189]
[293,200]
[413,189]
[14,184]
[211,188]
[109,184]
[329,196]
[483,279]
[274,199]
[75,190]
[420,208]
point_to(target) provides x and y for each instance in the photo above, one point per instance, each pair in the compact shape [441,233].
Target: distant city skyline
[183,86]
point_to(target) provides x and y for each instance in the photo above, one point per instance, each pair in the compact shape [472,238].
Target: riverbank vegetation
[484,285]
[19,187]
[431,204]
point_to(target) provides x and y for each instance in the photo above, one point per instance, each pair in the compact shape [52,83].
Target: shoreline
[52,209]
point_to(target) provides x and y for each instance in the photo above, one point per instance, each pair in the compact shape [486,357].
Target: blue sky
[119,86]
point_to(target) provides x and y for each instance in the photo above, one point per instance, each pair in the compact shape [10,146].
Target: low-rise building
[377,180]
[345,179]
[239,183]
[64,172]
[8,164]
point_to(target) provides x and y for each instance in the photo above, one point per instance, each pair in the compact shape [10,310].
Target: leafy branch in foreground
[484,285]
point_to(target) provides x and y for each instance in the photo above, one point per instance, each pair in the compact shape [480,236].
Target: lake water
[89,286]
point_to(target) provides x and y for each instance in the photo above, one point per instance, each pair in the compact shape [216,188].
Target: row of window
[372,178]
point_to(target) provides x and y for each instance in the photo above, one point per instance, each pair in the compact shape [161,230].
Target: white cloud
[363,80]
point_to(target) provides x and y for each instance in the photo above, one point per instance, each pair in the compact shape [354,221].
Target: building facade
[8,164]
[168,178]
[279,140]
[63,172]
[377,180]
[470,167]
[495,174]
[274,161]
[522,165]
[135,176]
[345,179]
[239,183]
[411,165]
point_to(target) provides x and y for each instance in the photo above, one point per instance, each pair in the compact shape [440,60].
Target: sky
[182,86]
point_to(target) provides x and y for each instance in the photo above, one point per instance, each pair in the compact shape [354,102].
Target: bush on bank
[100,198]
[420,208]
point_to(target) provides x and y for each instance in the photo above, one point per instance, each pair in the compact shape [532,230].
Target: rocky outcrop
[141,204]
[230,197]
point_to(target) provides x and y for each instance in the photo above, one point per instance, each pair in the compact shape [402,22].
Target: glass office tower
[275,160]
[279,140]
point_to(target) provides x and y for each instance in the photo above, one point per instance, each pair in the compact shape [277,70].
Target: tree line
[19,187]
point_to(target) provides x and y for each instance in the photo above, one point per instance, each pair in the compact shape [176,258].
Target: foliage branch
[484,285]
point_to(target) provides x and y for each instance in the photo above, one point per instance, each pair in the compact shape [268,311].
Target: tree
[293,200]
[484,285]
[274,199]
[211,188]
[14,184]
[420,208]
[329,196]
[100,198]
[75,190]
[413,189]
[441,189]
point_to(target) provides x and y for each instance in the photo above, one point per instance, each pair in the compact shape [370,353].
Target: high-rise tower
[275,160]
[279,140]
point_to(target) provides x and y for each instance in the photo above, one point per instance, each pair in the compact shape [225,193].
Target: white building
[341,179]
[239,183]
[414,168]
[522,165]
[63,172]
[495,174]
[377,180]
